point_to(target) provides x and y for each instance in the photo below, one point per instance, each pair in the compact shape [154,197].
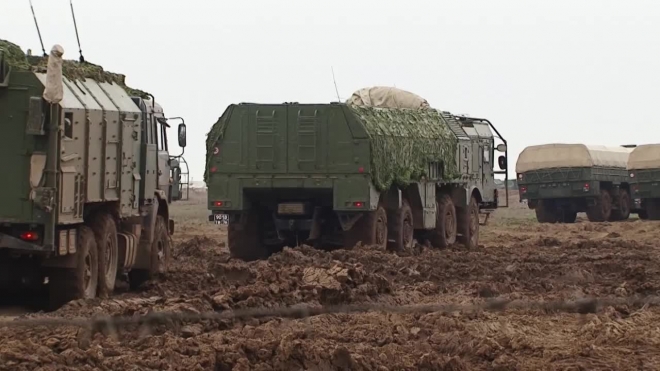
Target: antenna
[75,25]
[335,82]
[38,31]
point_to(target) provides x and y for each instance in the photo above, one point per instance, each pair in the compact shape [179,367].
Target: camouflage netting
[404,141]
[73,70]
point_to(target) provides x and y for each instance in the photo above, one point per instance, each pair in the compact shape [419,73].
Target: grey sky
[541,71]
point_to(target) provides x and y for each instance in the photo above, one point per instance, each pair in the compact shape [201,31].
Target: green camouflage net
[72,70]
[404,141]
[214,136]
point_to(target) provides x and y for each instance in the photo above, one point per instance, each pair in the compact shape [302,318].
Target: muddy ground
[519,259]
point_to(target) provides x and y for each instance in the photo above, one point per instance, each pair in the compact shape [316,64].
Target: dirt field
[519,259]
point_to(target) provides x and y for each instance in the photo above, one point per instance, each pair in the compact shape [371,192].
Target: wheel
[468,224]
[244,237]
[159,256]
[569,216]
[81,282]
[623,212]
[642,214]
[444,234]
[370,229]
[602,209]
[105,230]
[401,228]
[545,213]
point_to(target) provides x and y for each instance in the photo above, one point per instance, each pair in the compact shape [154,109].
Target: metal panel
[268,139]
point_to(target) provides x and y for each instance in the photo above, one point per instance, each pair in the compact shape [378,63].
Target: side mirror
[501,161]
[182,135]
[501,147]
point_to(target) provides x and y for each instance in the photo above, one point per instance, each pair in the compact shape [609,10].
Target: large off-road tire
[602,209]
[81,282]
[105,230]
[159,251]
[643,214]
[653,209]
[370,229]
[468,224]
[623,212]
[444,234]
[401,228]
[545,212]
[244,237]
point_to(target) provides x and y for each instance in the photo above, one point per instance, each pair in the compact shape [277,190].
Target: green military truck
[644,173]
[342,173]
[87,178]
[559,180]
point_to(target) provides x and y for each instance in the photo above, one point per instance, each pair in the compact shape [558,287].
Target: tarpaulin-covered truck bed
[560,155]
[646,156]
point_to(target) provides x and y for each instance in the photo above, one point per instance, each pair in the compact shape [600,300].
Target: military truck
[644,173]
[86,178]
[559,180]
[380,173]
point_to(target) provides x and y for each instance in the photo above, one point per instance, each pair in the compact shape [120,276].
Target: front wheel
[159,255]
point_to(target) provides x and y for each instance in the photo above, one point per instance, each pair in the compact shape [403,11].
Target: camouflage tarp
[73,70]
[404,141]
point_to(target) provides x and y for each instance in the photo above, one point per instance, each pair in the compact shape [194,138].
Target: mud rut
[531,261]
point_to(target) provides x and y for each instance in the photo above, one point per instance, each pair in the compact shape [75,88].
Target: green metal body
[572,189]
[98,148]
[344,159]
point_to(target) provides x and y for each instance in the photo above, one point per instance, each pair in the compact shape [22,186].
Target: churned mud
[519,259]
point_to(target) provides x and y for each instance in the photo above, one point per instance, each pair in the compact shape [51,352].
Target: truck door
[163,158]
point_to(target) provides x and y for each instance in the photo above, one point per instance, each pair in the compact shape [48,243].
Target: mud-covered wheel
[602,209]
[468,224]
[623,212]
[370,229]
[160,251]
[643,214]
[444,234]
[244,237]
[653,209]
[105,231]
[401,228]
[81,282]
[545,212]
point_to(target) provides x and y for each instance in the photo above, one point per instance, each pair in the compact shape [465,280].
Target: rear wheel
[568,216]
[468,224]
[244,237]
[444,234]
[159,256]
[602,209]
[545,212]
[402,228]
[623,212]
[81,282]
[105,230]
[653,209]
[370,229]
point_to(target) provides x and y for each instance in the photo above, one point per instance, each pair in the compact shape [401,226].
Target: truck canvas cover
[646,156]
[561,155]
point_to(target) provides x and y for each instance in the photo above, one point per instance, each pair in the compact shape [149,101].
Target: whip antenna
[38,31]
[75,25]
[335,82]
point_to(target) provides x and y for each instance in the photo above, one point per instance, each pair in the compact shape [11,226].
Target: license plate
[291,208]
[221,219]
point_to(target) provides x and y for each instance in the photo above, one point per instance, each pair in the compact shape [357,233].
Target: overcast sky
[541,71]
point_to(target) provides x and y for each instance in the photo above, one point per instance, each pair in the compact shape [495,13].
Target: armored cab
[382,170]
[559,180]
[87,177]
[644,173]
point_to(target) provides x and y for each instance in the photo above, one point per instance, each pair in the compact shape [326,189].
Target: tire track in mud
[538,262]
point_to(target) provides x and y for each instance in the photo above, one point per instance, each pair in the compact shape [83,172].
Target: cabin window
[487,154]
[68,125]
